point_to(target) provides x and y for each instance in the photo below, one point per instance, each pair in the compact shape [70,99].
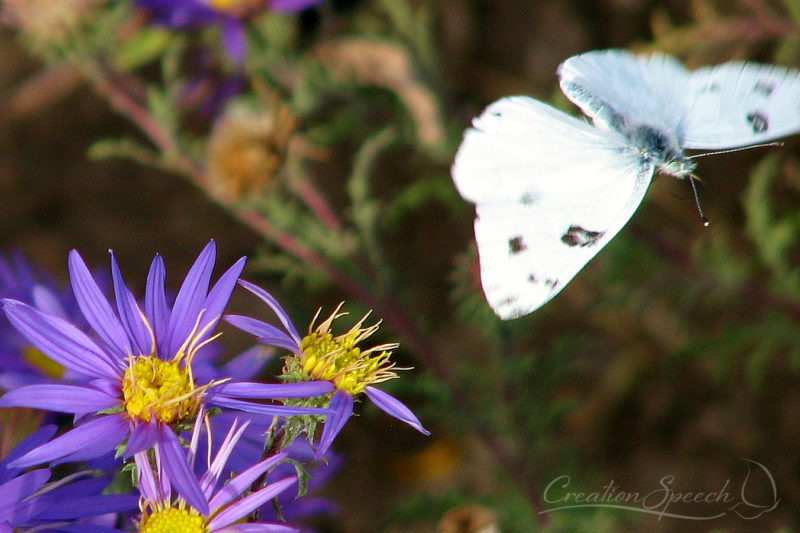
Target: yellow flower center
[172,520]
[339,360]
[162,389]
[43,363]
[155,390]
[230,5]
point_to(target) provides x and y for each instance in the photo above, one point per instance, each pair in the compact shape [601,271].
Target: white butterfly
[551,190]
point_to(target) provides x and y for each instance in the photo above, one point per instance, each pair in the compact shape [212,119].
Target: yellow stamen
[155,390]
[171,520]
[339,360]
[162,389]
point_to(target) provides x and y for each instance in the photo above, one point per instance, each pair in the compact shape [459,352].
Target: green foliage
[774,235]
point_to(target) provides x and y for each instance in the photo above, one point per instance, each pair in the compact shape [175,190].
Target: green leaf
[142,48]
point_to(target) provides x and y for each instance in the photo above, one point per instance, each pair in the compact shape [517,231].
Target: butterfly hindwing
[550,192]
[725,106]
[739,104]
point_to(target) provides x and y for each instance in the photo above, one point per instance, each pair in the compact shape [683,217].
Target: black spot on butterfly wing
[516,245]
[710,87]
[511,302]
[758,121]
[579,236]
[763,87]
[550,283]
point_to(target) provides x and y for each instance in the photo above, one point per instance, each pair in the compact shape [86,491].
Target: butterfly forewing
[550,192]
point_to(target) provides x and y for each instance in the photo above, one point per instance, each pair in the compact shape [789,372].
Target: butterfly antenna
[774,143]
[692,179]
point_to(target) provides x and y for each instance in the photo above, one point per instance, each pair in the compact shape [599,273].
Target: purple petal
[93,439]
[59,398]
[18,513]
[219,296]
[112,388]
[271,391]
[394,407]
[191,453]
[38,437]
[10,379]
[190,299]
[173,457]
[212,475]
[266,333]
[129,312]
[259,527]
[148,488]
[88,506]
[292,6]
[233,40]
[22,486]
[142,437]
[246,365]
[250,503]
[264,409]
[341,407]
[239,484]
[155,302]
[96,308]
[60,341]
[45,300]
[268,299]
[181,13]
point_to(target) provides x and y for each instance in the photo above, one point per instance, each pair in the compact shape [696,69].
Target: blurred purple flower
[228,15]
[292,6]
[20,363]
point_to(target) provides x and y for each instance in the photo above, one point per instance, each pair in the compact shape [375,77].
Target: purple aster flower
[142,381]
[248,451]
[189,14]
[206,505]
[20,363]
[321,356]
[228,15]
[28,501]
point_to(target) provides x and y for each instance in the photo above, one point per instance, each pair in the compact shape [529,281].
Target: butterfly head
[678,165]
[663,150]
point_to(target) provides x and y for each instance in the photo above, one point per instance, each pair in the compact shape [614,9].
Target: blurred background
[323,153]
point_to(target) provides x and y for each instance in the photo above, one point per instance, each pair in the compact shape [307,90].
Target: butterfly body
[661,151]
[551,190]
